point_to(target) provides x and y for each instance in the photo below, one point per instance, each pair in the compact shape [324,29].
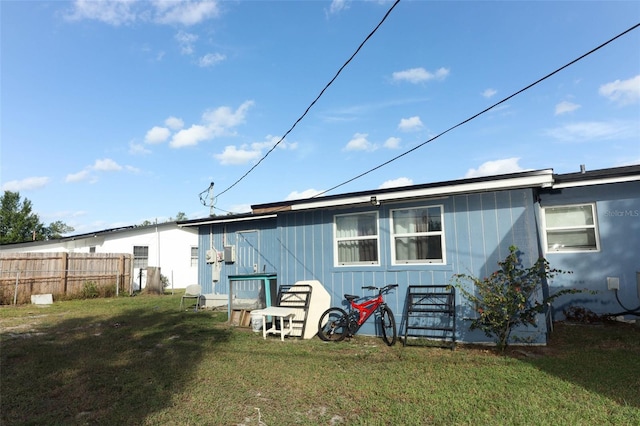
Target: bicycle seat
[351,297]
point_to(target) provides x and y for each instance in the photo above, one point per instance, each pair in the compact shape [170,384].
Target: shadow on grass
[103,369]
[602,358]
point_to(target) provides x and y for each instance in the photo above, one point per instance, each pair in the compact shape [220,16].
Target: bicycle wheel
[333,325]
[388,322]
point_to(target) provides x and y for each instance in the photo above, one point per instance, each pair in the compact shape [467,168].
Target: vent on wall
[229,254]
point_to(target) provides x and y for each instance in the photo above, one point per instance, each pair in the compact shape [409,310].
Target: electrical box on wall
[613,283]
[210,256]
[229,254]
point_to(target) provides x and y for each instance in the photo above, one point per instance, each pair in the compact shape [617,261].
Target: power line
[314,101]
[480,113]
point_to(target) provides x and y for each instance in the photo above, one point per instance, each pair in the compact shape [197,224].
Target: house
[171,247]
[419,235]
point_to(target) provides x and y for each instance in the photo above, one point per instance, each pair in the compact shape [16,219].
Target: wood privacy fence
[64,275]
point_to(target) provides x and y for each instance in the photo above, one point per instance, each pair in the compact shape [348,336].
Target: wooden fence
[62,274]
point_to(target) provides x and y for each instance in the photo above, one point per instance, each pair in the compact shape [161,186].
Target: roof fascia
[227,220]
[600,181]
[543,179]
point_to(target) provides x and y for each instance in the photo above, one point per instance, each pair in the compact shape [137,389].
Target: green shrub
[508,298]
[90,290]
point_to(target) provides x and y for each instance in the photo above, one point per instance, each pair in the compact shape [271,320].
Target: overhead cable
[314,101]
[480,113]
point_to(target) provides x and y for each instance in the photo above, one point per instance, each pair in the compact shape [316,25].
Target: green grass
[141,361]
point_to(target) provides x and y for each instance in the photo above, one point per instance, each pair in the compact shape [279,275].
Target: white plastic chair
[193,291]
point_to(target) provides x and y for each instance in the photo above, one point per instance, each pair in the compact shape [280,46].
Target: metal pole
[15,292]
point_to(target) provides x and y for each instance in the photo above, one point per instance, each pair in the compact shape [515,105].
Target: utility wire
[478,114]
[314,101]
[460,123]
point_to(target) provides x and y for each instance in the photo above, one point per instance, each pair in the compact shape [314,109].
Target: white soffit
[543,179]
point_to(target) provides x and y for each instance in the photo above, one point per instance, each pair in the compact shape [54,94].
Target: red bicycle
[335,323]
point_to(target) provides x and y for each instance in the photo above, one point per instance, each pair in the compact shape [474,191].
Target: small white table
[276,312]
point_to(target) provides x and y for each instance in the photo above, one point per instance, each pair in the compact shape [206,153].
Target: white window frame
[546,229]
[194,256]
[138,259]
[440,233]
[375,237]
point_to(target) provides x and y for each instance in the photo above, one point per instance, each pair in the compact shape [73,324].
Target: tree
[56,229]
[510,296]
[19,224]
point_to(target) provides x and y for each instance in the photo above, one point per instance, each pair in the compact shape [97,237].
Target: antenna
[211,201]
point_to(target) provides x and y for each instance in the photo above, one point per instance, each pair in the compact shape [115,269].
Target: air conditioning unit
[229,254]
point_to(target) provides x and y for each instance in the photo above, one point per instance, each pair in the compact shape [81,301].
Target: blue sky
[113,113]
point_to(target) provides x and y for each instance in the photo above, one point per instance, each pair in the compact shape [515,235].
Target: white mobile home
[172,248]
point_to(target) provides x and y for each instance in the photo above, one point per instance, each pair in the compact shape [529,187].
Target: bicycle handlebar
[381,289]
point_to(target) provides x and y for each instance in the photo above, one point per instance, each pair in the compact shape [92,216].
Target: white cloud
[217,122]
[338,6]
[210,59]
[115,12]
[234,156]
[119,12]
[270,142]
[78,177]
[489,93]
[622,92]
[224,117]
[106,165]
[392,143]
[174,123]
[586,131]
[497,167]
[184,12]
[100,165]
[359,142]
[191,136]
[157,135]
[186,41]
[565,107]
[394,183]
[420,75]
[26,184]
[307,193]
[138,149]
[410,124]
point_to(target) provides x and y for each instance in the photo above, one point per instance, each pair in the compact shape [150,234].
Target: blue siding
[478,230]
[618,219]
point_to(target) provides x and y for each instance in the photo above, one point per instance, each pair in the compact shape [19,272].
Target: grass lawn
[141,361]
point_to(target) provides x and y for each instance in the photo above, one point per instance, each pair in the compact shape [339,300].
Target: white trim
[544,180]
[336,261]
[595,228]
[393,235]
[229,220]
[602,181]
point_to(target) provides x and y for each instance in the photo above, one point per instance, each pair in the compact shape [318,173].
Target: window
[571,228]
[356,237]
[140,256]
[417,235]
[194,256]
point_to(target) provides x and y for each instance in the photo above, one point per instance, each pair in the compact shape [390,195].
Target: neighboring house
[174,249]
[424,234]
